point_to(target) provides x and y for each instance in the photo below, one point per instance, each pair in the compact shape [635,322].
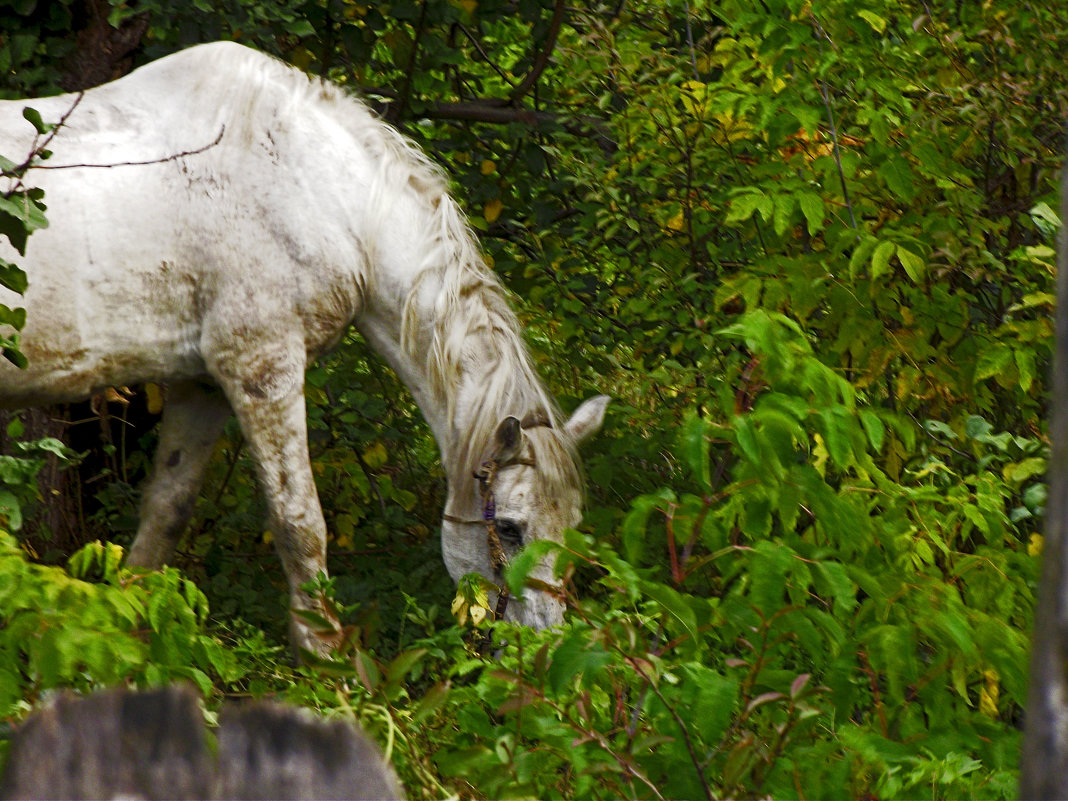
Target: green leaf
[812,207]
[880,259]
[520,565]
[576,655]
[914,265]
[745,436]
[675,604]
[993,361]
[873,427]
[1025,364]
[403,664]
[433,700]
[784,207]
[743,206]
[13,277]
[831,578]
[1019,472]
[758,519]
[14,355]
[837,423]
[634,526]
[50,445]
[16,318]
[709,699]
[694,449]
[33,116]
[10,510]
[20,215]
[301,28]
[899,178]
[877,23]
[768,568]
[861,254]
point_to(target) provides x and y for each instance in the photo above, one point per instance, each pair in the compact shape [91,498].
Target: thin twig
[837,153]
[36,147]
[161,160]
[689,41]
[821,34]
[680,723]
[485,56]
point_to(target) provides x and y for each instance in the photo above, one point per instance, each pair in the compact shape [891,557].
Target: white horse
[217,221]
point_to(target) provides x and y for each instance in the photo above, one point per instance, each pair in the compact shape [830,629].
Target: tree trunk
[101,53]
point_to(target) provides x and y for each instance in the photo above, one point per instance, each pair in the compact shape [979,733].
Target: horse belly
[109,304]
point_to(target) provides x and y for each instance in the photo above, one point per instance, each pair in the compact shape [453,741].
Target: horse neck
[455,346]
[437,313]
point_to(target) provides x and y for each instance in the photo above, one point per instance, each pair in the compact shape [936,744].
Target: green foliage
[37,37]
[808,251]
[18,488]
[94,624]
[21,213]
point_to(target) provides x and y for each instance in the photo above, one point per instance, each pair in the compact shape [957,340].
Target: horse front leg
[193,420]
[269,404]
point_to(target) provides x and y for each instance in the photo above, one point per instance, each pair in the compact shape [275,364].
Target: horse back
[179,200]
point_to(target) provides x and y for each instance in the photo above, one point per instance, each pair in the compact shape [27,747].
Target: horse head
[528,489]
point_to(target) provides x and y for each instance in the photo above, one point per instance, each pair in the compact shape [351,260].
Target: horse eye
[510,532]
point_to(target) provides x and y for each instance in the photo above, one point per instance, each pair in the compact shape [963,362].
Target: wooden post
[153,745]
[1044,763]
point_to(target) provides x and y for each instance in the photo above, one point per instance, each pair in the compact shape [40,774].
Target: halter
[486,475]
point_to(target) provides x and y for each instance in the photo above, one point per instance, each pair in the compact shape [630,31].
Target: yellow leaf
[267,537]
[154,398]
[459,609]
[375,456]
[1034,548]
[731,129]
[117,395]
[877,23]
[344,528]
[988,694]
[488,166]
[693,97]
[301,58]
[493,210]
[821,454]
[677,223]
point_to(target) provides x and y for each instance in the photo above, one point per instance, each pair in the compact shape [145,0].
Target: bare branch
[492,111]
[405,94]
[541,61]
[160,160]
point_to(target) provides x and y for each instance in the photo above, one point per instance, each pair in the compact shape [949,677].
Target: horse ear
[509,439]
[587,419]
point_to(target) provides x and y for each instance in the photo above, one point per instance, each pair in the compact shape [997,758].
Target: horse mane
[470,304]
